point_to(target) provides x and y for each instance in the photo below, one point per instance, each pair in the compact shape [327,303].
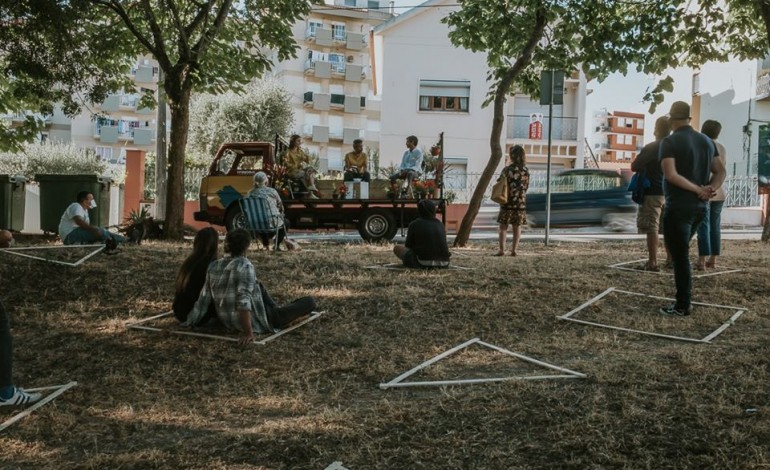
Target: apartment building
[428,86]
[122,124]
[618,137]
[331,79]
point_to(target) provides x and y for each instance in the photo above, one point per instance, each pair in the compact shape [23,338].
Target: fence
[741,190]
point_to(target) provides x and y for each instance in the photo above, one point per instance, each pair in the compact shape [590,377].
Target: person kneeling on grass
[241,301]
[75,227]
[425,245]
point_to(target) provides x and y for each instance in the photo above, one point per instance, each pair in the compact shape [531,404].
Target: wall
[417,48]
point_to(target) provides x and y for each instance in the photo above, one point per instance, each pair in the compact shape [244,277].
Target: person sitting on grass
[75,226]
[192,275]
[425,245]
[9,394]
[240,300]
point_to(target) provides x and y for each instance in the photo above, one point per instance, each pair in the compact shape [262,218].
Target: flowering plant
[281,180]
[342,190]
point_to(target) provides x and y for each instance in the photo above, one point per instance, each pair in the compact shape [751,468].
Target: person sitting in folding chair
[241,301]
[263,210]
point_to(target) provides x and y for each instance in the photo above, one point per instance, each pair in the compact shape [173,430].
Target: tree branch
[184,41]
[203,14]
[123,14]
[161,56]
[210,33]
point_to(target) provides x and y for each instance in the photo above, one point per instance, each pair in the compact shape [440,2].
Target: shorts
[648,219]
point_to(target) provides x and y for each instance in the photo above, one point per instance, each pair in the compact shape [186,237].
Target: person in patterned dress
[514,212]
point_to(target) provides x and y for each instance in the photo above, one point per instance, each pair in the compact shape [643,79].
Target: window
[338,32]
[350,3]
[313,27]
[104,153]
[444,95]
[373,4]
[338,62]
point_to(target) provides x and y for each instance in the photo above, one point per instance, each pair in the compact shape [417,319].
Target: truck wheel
[377,225]
[234,218]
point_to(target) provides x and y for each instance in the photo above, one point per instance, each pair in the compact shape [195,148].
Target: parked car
[584,197]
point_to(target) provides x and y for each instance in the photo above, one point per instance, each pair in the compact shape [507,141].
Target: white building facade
[331,81]
[429,86]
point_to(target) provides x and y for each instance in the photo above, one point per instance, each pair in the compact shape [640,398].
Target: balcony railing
[763,86]
[564,128]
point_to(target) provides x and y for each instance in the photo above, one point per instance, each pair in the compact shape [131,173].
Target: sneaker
[20,397]
[674,311]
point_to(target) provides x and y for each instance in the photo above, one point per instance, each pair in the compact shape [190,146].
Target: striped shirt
[231,284]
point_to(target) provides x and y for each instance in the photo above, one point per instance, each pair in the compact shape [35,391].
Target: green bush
[57,159]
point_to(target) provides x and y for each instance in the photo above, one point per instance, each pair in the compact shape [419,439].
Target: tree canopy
[85,48]
[525,37]
[258,114]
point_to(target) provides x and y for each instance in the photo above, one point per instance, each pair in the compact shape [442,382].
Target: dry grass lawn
[312,397]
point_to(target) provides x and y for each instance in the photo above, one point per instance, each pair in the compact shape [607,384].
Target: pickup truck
[230,177]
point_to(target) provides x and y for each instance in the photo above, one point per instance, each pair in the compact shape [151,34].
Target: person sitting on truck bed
[240,300]
[356,163]
[297,163]
[411,164]
[425,245]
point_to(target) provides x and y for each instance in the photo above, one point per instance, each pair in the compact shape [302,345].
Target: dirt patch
[310,398]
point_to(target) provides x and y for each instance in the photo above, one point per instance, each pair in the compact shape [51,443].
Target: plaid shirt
[231,283]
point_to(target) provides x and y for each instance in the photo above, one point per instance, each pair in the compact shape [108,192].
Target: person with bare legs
[514,212]
[651,208]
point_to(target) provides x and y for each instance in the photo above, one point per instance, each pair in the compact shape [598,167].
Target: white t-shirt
[67,223]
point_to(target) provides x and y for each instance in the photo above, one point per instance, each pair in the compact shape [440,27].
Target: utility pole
[161,172]
[551,93]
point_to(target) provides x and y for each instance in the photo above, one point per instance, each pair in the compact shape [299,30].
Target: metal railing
[564,128]
[741,190]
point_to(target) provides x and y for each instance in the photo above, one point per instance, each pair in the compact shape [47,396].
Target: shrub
[53,159]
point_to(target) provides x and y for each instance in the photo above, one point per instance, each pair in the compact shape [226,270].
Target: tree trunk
[496,151]
[764,9]
[178,94]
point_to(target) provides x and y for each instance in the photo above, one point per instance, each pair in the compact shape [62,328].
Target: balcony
[326,69]
[564,128]
[112,132]
[326,101]
[763,87]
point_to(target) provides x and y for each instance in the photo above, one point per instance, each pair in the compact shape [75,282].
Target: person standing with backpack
[651,207]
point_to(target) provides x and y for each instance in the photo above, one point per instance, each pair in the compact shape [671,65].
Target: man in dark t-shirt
[692,176]
[425,245]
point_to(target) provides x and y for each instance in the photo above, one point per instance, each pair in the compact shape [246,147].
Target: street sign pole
[551,93]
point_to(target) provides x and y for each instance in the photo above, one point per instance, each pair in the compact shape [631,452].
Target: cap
[679,110]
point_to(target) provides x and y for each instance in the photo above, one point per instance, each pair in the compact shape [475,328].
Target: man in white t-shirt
[75,226]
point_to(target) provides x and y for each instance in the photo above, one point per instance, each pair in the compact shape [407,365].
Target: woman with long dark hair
[514,211]
[192,274]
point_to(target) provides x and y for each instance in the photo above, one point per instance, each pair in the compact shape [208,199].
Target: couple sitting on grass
[227,290]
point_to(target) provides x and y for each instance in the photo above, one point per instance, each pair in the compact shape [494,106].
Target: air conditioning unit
[350,59]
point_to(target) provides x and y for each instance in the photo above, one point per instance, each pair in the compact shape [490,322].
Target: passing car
[584,197]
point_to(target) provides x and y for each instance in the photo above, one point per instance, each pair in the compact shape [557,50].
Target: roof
[414,11]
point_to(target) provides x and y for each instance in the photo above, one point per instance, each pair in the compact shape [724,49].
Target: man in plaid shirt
[240,300]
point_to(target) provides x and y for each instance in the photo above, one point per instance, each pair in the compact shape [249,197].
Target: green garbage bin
[13,190]
[57,192]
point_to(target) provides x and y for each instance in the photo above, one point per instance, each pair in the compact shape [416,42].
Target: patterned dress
[515,211]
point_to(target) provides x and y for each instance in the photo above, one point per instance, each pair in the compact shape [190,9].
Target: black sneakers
[110,246]
[674,311]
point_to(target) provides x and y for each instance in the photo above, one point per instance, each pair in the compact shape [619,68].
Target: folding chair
[260,217]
